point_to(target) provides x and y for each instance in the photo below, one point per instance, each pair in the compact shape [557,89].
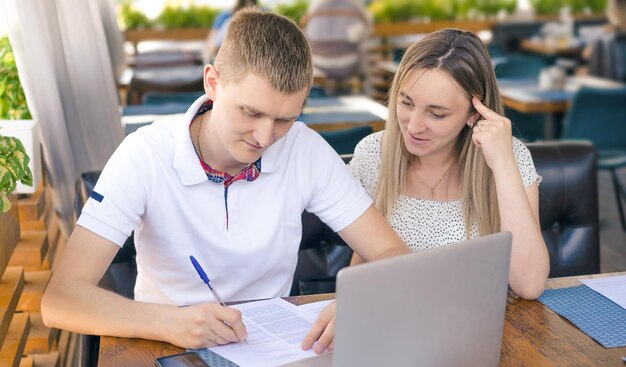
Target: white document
[275,332]
[312,310]
[613,288]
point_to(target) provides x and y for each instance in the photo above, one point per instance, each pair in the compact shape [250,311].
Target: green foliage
[13,168]
[547,7]
[12,100]
[191,17]
[493,7]
[129,18]
[552,7]
[294,10]
[580,6]
[597,6]
[388,11]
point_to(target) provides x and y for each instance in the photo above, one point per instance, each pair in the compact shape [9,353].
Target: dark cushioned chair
[568,206]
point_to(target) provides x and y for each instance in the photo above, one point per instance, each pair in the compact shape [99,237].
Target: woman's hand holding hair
[492,134]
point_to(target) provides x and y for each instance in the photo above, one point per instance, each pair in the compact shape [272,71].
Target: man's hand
[207,325]
[322,334]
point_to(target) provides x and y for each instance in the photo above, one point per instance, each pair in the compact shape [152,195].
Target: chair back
[344,141]
[568,205]
[519,66]
[598,115]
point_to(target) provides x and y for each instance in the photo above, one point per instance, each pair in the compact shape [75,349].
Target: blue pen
[205,279]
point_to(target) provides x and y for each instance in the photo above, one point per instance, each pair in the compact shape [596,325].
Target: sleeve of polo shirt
[118,200]
[338,198]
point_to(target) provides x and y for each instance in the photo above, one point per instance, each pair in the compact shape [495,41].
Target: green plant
[12,100]
[493,7]
[581,6]
[13,168]
[547,7]
[129,18]
[191,17]
[294,10]
[387,11]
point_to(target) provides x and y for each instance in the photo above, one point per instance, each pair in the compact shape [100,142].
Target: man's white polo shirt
[154,184]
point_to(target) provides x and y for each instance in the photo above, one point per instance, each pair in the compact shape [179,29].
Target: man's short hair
[269,45]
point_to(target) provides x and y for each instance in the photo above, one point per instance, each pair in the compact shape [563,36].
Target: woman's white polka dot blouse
[424,224]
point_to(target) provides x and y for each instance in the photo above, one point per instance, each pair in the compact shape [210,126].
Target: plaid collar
[249,173]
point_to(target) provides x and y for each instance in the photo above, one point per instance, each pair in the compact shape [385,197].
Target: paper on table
[613,288]
[312,310]
[275,331]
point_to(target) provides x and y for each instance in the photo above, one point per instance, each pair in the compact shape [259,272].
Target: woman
[446,168]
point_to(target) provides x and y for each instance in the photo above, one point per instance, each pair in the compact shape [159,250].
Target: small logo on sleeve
[96,196]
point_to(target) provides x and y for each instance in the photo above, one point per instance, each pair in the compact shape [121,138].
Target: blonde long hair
[463,56]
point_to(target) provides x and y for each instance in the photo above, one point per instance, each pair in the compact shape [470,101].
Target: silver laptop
[441,307]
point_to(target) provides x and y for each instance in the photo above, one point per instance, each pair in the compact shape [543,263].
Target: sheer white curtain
[114,36]
[66,72]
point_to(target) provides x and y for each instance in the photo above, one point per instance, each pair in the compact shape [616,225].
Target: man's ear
[211,78]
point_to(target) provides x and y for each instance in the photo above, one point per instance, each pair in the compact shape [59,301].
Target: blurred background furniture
[599,115]
[608,58]
[527,96]
[344,141]
[526,126]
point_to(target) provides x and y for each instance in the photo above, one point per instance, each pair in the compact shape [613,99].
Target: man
[227,184]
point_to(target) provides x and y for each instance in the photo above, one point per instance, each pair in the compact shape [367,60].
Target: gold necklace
[432,188]
[198,137]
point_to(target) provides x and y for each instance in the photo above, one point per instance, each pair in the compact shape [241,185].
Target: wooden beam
[30,250]
[11,286]
[9,233]
[34,286]
[27,362]
[32,206]
[13,346]
[40,338]
[47,360]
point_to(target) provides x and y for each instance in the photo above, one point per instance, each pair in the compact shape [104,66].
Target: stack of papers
[275,328]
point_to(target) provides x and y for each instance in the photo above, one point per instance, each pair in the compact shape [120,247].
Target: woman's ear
[473,119]
[211,78]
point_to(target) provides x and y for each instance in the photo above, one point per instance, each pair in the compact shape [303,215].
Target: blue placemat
[594,314]
[213,359]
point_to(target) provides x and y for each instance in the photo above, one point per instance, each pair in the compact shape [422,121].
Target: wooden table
[541,47]
[525,96]
[533,336]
